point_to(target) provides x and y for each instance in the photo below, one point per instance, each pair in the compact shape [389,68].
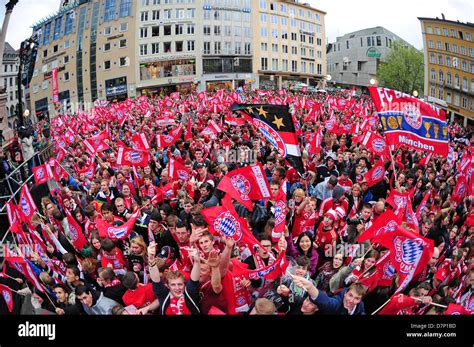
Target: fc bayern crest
[25,206]
[242,185]
[74,233]
[271,136]
[378,173]
[280,214]
[379,145]
[388,270]
[390,227]
[228,225]
[408,253]
[6,296]
[412,116]
[40,173]
[135,157]
[182,174]
[168,138]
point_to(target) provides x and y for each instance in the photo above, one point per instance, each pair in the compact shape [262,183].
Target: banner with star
[276,125]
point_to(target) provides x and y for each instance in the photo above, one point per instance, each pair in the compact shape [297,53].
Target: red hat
[441,274]
[332,214]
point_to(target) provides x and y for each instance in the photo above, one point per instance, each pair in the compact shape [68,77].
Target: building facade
[354,58]
[9,81]
[92,45]
[289,43]
[449,65]
[113,49]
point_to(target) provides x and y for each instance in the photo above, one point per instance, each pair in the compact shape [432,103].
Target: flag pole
[431,303]
[381,307]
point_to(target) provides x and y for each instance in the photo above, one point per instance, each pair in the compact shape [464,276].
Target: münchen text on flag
[386,224]
[375,144]
[27,206]
[376,174]
[42,173]
[140,142]
[116,232]
[398,303]
[132,157]
[178,171]
[409,253]
[410,121]
[164,141]
[224,221]
[75,232]
[276,124]
[246,184]
[270,272]
[7,296]
[13,216]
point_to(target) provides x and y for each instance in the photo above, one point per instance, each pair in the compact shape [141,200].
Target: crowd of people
[172,263]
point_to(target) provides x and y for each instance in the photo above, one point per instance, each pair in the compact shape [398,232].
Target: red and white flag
[164,141]
[315,141]
[7,296]
[13,216]
[20,264]
[246,184]
[140,142]
[279,214]
[460,190]
[26,206]
[211,129]
[269,272]
[178,171]
[375,144]
[89,171]
[455,310]
[422,205]
[398,303]
[42,173]
[116,232]
[132,157]
[376,174]
[57,169]
[386,224]
[75,231]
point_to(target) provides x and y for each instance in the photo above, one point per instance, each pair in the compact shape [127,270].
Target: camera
[355,221]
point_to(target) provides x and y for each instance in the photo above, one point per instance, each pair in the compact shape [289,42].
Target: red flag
[386,223]
[375,144]
[140,142]
[132,157]
[24,267]
[376,174]
[279,213]
[246,184]
[409,253]
[386,271]
[455,309]
[315,141]
[116,232]
[422,205]
[211,129]
[78,239]
[89,171]
[168,191]
[27,206]
[61,154]
[425,160]
[189,132]
[460,190]
[7,296]
[214,311]
[57,169]
[270,272]
[398,200]
[164,141]
[398,303]
[178,171]
[13,216]
[95,145]
[234,121]
[42,173]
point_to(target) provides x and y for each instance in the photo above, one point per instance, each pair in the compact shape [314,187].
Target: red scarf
[177,307]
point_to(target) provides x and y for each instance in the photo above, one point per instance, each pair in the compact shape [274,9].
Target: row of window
[294,50]
[449,81]
[235,16]
[180,13]
[11,79]
[294,66]
[372,41]
[294,36]
[449,61]
[226,48]
[458,34]
[293,22]
[166,2]
[453,48]
[283,8]
[229,3]
[167,47]
[167,30]
[228,31]
[449,99]
[11,67]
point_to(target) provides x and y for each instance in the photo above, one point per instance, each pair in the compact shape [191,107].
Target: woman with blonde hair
[137,258]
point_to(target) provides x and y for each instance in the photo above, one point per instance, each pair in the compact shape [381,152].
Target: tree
[402,69]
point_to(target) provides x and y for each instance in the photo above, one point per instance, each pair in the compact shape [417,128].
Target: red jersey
[117,260]
[141,296]
[346,184]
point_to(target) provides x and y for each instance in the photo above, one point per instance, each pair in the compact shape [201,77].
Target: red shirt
[346,184]
[141,296]
[177,306]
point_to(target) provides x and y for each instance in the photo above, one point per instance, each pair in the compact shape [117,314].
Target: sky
[343,16]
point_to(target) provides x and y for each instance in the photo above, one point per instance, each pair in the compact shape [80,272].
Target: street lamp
[373,81]
[28,50]
[415,93]
[328,78]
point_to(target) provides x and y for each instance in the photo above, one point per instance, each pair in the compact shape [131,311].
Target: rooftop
[444,20]
[9,50]
[369,31]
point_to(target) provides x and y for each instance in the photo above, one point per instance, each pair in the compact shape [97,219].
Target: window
[456,99]
[275,64]
[455,48]
[432,58]
[123,26]
[217,48]
[155,31]
[264,64]
[445,32]
[431,44]
[263,32]
[44,85]
[464,65]
[167,47]
[294,50]
[167,30]
[263,4]
[464,102]
[69,23]
[155,48]
[107,65]
[66,76]
[448,78]
[439,45]
[207,48]
[191,12]
[124,61]
[143,33]
[468,36]
[144,16]
[274,47]
[217,30]
[448,97]
[437,31]
[179,28]
[429,30]
[347,44]
[311,68]
[440,60]
[303,51]
[284,65]
[453,33]
[155,15]
[207,30]
[55,50]
[441,76]
[379,41]
[107,31]
[446,45]
[66,59]
[433,75]
[144,49]
[294,66]
[247,48]
[456,81]
[227,30]
[106,46]
[109,13]
[179,46]
[180,13]
[190,29]
[166,14]
[463,50]
[284,48]
[238,31]
[293,36]
[238,48]
[216,15]
[123,43]
[47,34]
[190,46]
[464,84]
[264,46]
[57,28]
[125,8]
[263,17]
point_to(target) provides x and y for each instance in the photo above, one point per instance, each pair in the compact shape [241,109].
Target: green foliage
[402,70]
